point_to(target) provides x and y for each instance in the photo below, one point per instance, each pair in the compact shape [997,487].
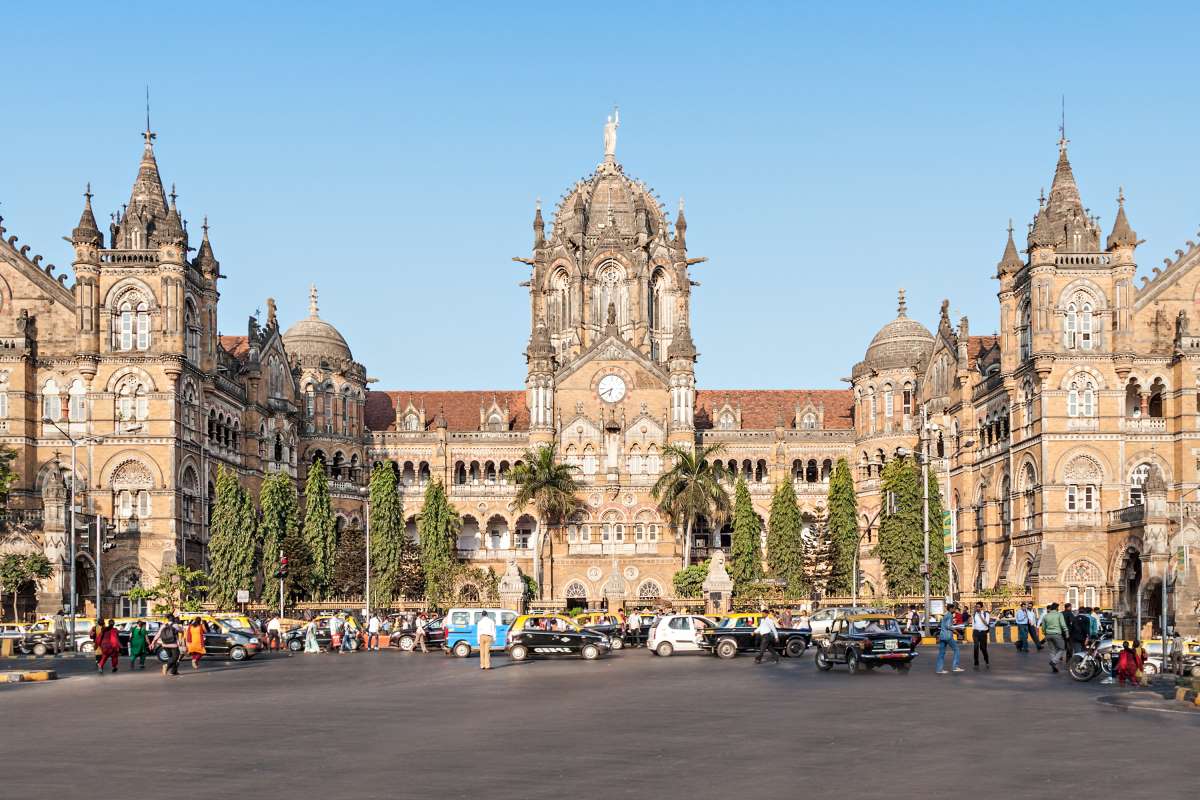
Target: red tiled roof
[978,346]
[761,408]
[461,408]
[236,346]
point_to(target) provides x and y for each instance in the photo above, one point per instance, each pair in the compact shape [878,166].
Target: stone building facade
[1066,443]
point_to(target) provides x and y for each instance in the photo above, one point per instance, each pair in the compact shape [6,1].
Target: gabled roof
[236,346]
[980,346]
[762,408]
[461,409]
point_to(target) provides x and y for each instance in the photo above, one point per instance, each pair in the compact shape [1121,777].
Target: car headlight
[254,640]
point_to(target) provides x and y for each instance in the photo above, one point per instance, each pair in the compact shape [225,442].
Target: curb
[27,676]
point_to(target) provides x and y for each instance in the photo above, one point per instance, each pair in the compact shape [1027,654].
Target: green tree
[745,558]
[689,581]
[785,545]
[280,523]
[320,532]
[438,525]
[231,545]
[178,588]
[388,542]
[692,488]
[841,530]
[18,569]
[550,487]
[901,532]
[349,564]
[7,476]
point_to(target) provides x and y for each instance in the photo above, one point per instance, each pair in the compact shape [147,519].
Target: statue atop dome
[610,134]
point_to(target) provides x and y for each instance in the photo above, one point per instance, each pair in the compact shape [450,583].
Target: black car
[219,642]
[406,638]
[736,635]
[627,634]
[294,639]
[866,641]
[551,636]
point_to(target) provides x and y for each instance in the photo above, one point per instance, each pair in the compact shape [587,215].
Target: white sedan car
[677,633]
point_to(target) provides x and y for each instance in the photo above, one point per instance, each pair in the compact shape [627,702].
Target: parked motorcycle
[1095,659]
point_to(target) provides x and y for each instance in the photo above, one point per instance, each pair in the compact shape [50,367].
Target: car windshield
[233,626]
[876,626]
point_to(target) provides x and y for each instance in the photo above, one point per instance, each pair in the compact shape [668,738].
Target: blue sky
[392,155]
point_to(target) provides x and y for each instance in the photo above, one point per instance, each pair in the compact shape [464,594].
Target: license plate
[890,644]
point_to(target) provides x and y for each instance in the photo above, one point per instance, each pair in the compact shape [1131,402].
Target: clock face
[611,388]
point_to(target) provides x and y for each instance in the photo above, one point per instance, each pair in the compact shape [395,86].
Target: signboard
[243,595]
[949,535]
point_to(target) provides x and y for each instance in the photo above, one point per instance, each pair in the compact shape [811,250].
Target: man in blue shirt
[946,639]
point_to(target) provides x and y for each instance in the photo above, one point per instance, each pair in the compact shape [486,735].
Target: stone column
[718,586]
[512,588]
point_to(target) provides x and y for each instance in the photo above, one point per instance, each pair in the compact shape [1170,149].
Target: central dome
[314,337]
[903,342]
[610,198]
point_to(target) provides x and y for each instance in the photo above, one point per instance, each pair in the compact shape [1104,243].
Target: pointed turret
[205,261]
[1041,235]
[1011,261]
[682,345]
[1122,234]
[172,228]
[681,228]
[539,226]
[146,212]
[87,232]
[1064,223]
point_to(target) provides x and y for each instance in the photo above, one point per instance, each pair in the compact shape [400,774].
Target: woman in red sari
[1129,664]
[110,646]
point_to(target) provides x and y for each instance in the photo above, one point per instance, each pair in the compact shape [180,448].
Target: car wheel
[795,648]
[40,649]
[852,662]
[462,650]
[237,653]
[407,642]
[590,652]
[1149,669]
[726,648]
[617,642]
[163,655]
[295,645]
[354,644]
[823,662]
[665,649]
[518,652]
[87,647]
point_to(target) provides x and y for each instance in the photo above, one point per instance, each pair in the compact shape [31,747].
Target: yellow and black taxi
[632,631]
[221,639]
[735,634]
[553,635]
[866,641]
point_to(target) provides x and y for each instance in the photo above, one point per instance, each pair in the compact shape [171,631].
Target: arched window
[122,584]
[727,421]
[77,405]
[610,290]
[653,462]
[1081,397]
[191,492]
[412,422]
[51,401]
[887,402]
[1137,479]
[809,421]
[191,327]
[1078,331]
[1024,332]
[558,311]
[133,406]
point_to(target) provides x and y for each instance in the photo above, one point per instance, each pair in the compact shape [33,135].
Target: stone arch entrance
[576,595]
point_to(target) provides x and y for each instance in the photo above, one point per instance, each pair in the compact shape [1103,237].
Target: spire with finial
[87,232]
[902,307]
[681,226]
[1122,234]
[539,226]
[312,301]
[1011,261]
[205,261]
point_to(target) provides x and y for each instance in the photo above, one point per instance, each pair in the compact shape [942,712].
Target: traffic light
[110,537]
[281,573]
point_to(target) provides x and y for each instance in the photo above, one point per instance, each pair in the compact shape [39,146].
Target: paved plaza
[631,725]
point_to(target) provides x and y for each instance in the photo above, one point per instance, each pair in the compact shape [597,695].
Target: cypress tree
[319,530]
[785,545]
[841,530]
[388,542]
[349,564]
[231,543]
[280,524]
[901,533]
[745,560]
[438,526]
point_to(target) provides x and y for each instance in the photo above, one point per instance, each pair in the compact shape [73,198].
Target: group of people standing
[107,640]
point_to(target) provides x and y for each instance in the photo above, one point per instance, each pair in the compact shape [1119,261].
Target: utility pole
[925,503]
[366,491]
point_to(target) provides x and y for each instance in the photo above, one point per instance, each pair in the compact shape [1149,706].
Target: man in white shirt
[768,634]
[373,626]
[335,626]
[273,632]
[981,627]
[486,630]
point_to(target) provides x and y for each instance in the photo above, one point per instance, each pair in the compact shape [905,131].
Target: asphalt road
[633,725]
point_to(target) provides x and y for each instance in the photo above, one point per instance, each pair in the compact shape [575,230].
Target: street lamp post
[71,526]
[925,505]
[366,493]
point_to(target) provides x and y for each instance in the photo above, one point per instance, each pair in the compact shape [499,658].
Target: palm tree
[692,488]
[550,487]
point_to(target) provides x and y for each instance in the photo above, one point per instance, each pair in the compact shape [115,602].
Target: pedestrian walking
[274,632]
[1068,614]
[914,620]
[96,634]
[310,637]
[60,631]
[1129,664]
[1054,629]
[981,629]
[486,631]
[946,640]
[1081,630]
[193,639]
[373,626]
[335,634]
[349,632]
[768,635]
[1027,625]
[420,640]
[785,619]
[137,645]
[109,646]
[168,638]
